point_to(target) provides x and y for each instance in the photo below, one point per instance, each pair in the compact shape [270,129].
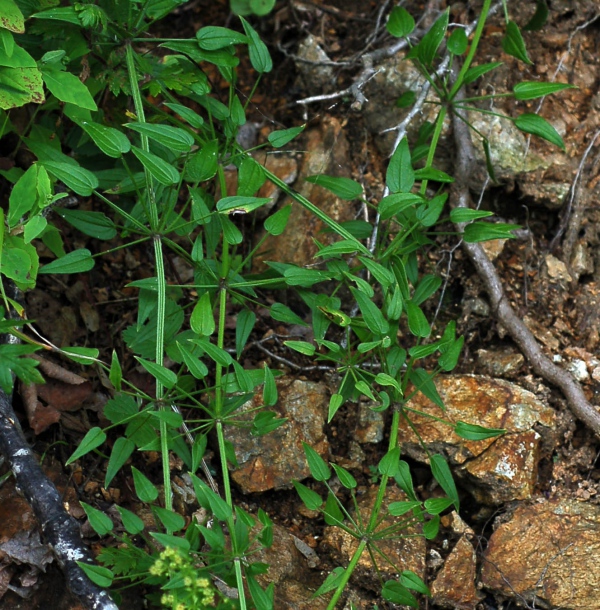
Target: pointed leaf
[400,175]
[513,43]
[317,465]
[94,438]
[442,474]
[538,126]
[162,171]
[473,432]
[121,452]
[344,188]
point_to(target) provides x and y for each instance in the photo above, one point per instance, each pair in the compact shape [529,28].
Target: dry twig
[541,364]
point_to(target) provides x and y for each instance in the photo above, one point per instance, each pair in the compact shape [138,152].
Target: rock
[547,553]
[500,363]
[405,553]
[454,586]
[497,469]
[316,77]
[273,460]
[289,571]
[557,270]
[326,153]
[369,428]
[582,262]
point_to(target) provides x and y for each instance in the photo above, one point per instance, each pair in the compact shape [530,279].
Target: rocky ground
[529,530]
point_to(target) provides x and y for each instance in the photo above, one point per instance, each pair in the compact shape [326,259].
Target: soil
[568,467]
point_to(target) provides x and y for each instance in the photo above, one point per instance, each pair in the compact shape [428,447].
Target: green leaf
[435,506]
[417,322]
[251,176]
[121,452]
[394,204]
[174,138]
[162,171]
[77,261]
[458,41]
[426,287]
[308,349]
[81,355]
[245,323]
[109,140]
[346,479]
[473,432]
[404,480]
[262,7]
[33,228]
[270,388]
[332,582]
[280,138]
[430,43]
[363,387]
[423,381]
[332,512]
[162,374]
[282,313]
[193,119]
[484,231]
[68,88]
[220,356]
[387,380]
[131,522]
[388,465]
[371,313]
[539,17]
[198,450]
[100,522]
[442,474]
[344,188]
[531,90]
[11,17]
[115,374]
[195,366]
[94,224]
[311,499]
[476,71]
[144,489]
[431,528]
[431,173]
[345,246]
[100,576]
[172,541]
[259,54]
[241,205]
[214,37]
[335,402]
[202,320]
[94,438]
[411,581]
[23,196]
[171,521]
[382,274]
[459,215]
[120,409]
[203,165]
[397,509]
[276,223]
[538,126]
[513,43]
[296,276]
[449,358]
[317,465]
[400,22]
[397,593]
[265,422]
[400,175]
[78,179]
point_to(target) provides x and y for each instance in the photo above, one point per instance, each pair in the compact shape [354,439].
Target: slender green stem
[160,277]
[485,9]
[347,573]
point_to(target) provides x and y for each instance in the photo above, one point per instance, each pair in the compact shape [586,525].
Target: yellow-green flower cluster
[195,591]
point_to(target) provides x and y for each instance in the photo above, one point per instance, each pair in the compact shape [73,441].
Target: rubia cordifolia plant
[149,141]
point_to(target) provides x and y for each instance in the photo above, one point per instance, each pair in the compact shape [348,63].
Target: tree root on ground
[540,363]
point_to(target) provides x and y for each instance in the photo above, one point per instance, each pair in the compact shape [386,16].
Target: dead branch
[60,530]
[540,363]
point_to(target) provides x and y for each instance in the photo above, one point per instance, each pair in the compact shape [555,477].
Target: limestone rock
[547,552]
[406,553]
[273,460]
[454,586]
[497,469]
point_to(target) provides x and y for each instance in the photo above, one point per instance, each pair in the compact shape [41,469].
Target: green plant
[156,174]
